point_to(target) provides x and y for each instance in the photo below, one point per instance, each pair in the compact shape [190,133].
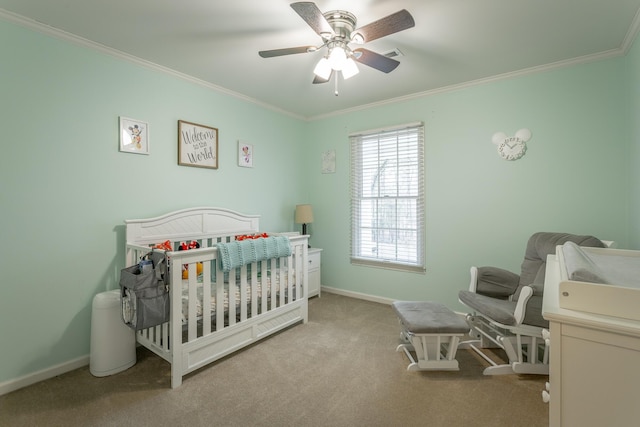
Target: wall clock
[512,147]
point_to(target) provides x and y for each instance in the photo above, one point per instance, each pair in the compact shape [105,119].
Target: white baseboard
[367,297]
[45,374]
[358,295]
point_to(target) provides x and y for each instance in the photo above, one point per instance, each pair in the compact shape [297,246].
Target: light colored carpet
[339,369]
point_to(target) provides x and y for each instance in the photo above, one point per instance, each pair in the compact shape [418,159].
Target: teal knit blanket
[236,254]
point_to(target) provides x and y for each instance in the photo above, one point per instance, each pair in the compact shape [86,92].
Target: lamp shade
[337,58]
[304,214]
[323,69]
[350,69]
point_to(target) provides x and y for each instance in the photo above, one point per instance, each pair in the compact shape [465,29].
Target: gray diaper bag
[144,292]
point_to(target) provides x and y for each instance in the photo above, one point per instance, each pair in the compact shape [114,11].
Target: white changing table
[593,367]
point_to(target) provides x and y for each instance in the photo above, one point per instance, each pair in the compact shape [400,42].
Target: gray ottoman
[432,331]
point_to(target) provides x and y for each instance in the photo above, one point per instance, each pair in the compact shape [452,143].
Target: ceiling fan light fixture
[337,58]
[350,69]
[323,69]
[338,29]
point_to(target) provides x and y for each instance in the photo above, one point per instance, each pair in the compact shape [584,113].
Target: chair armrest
[493,282]
[521,306]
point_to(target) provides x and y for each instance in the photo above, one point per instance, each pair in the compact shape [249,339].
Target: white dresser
[315,260]
[594,370]
[314,272]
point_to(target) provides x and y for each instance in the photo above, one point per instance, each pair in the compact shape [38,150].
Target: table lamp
[304,216]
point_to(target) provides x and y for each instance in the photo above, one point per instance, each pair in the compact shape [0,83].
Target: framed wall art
[245,155]
[197,145]
[134,136]
[329,161]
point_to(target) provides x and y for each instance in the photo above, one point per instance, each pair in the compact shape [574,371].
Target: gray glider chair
[507,308]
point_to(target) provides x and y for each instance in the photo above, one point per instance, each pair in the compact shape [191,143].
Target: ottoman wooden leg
[434,352]
[433,332]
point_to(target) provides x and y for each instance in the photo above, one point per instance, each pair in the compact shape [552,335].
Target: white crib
[266,296]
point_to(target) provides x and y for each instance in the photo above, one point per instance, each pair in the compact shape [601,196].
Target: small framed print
[134,136]
[197,145]
[245,155]
[329,161]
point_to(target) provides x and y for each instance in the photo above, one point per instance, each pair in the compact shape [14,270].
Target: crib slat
[232,297]
[219,299]
[293,272]
[281,283]
[273,285]
[165,336]
[303,278]
[156,333]
[264,286]
[290,284]
[243,292]
[253,312]
[193,299]
[206,298]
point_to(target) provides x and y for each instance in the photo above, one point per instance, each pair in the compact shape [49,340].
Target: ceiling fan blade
[383,27]
[286,51]
[314,17]
[318,80]
[375,60]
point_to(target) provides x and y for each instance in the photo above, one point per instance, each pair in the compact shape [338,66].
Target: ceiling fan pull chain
[335,92]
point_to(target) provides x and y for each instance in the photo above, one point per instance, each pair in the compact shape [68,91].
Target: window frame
[409,141]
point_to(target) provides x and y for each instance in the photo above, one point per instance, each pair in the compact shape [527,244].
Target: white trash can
[113,344]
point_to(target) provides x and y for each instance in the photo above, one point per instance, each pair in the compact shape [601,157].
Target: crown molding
[505,76]
[631,36]
[80,41]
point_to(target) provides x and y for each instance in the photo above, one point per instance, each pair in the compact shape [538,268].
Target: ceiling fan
[337,29]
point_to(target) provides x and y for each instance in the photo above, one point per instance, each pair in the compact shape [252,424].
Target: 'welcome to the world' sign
[197,145]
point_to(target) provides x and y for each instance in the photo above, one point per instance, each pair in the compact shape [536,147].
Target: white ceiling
[454,42]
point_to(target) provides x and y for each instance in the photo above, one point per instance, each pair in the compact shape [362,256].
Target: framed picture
[329,161]
[197,145]
[134,136]
[245,155]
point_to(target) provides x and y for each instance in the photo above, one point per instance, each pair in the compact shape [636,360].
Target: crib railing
[207,300]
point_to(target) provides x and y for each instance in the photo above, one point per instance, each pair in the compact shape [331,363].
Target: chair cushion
[498,310]
[496,282]
[538,247]
[427,317]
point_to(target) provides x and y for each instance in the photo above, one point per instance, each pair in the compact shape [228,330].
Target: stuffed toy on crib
[184,246]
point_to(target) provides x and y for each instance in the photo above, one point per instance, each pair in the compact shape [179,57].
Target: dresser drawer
[314,260]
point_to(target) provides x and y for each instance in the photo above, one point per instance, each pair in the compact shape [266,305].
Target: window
[387,198]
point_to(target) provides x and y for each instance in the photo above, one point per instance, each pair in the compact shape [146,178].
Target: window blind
[387,198]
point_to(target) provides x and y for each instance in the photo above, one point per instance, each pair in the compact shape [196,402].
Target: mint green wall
[633,112]
[66,189]
[482,209]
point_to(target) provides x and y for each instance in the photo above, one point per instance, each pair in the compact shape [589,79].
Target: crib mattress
[237,292]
